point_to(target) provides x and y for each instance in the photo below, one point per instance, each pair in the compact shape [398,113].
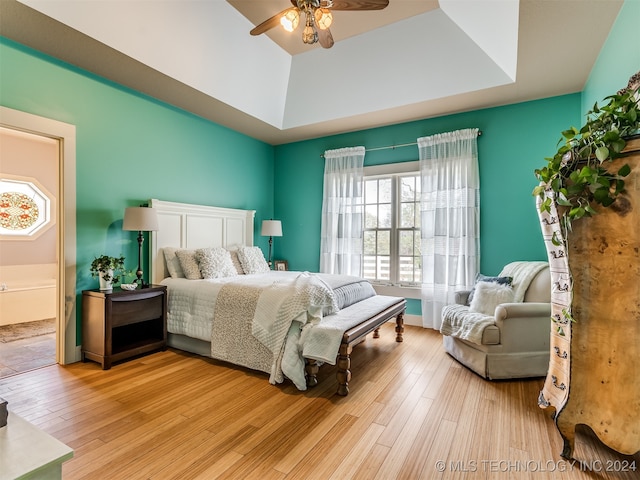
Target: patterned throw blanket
[252,324]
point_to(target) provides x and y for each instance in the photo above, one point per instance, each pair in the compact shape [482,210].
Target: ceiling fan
[318,17]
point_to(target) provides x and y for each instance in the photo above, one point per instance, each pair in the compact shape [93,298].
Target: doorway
[32,275]
[29,184]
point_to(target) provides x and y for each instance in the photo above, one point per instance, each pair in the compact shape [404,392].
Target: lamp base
[140,281]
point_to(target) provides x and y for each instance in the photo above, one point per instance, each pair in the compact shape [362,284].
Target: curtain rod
[393,147]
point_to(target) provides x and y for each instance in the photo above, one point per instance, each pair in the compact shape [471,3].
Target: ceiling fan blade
[270,23]
[359,4]
[325,38]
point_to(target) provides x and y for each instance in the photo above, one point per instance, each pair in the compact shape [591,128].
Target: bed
[283,323]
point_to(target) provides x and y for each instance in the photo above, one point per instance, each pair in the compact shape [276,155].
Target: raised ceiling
[412,60]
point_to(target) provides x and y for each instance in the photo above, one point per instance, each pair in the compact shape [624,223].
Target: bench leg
[399,327]
[344,374]
[311,369]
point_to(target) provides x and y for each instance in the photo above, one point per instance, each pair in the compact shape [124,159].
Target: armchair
[513,342]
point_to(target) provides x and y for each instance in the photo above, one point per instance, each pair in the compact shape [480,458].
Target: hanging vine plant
[576,176]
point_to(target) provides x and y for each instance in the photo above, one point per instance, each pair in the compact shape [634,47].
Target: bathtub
[27,293]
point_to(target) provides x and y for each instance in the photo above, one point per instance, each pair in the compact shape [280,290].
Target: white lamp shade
[271,228]
[142,219]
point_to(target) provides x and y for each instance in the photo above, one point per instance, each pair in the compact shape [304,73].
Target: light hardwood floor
[175,415]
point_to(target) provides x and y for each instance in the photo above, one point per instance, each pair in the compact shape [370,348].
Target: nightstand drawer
[134,311]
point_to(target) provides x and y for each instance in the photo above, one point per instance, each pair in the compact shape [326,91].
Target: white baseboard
[413,320]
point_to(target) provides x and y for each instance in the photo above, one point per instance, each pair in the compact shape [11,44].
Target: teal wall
[618,59]
[515,140]
[131,148]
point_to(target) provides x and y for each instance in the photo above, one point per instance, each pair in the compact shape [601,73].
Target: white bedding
[299,300]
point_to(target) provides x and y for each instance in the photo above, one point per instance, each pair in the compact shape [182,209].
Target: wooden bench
[363,324]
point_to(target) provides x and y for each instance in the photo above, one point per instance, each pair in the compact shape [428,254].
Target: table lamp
[140,219]
[271,228]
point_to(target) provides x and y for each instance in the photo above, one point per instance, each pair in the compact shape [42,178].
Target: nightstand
[119,324]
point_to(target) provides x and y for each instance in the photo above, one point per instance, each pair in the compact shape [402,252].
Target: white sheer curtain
[450,214]
[342,211]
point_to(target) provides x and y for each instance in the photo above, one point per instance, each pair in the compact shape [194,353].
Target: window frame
[397,170]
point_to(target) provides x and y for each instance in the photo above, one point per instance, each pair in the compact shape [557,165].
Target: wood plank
[172,415]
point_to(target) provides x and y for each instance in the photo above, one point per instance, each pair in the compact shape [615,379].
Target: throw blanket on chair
[459,322]
[522,274]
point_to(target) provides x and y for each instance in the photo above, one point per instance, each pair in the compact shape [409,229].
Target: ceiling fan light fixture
[309,35]
[324,18]
[290,20]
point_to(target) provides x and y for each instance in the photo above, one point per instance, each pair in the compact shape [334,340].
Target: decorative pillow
[236,262]
[189,264]
[489,295]
[215,263]
[252,260]
[483,278]
[173,263]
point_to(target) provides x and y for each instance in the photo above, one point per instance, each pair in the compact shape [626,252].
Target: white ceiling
[415,59]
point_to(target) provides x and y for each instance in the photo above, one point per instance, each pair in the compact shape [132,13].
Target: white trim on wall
[65,134]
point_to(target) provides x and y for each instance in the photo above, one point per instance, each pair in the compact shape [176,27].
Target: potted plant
[108,269]
[577,177]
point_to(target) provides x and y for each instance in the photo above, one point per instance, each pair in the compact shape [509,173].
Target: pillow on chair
[488,295]
[483,278]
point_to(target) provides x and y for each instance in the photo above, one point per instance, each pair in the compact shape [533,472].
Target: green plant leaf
[618,145]
[569,134]
[577,212]
[601,194]
[624,170]
[590,210]
[611,136]
[602,153]
[606,202]
[538,191]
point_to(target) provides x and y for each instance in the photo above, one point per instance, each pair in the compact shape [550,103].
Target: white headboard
[183,225]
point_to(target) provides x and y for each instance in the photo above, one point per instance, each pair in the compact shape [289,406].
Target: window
[392,228]
[25,207]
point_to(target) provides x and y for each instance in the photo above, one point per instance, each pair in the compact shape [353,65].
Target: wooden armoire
[594,369]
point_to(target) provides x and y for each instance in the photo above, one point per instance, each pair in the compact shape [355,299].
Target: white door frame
[66,349]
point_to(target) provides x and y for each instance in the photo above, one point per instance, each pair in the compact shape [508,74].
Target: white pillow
[236,262]
[189,264]
[173,263]
[215,263]
[488,295]
[252,260]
